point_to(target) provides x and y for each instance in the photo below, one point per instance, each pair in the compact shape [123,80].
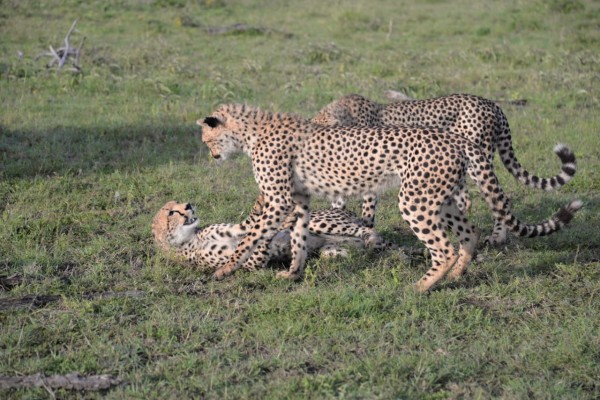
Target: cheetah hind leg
[299,239]
[339,203]
[467,234]
[430,232]
[463,202]
[499,233]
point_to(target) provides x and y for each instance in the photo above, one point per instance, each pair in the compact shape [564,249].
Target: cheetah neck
[255,124]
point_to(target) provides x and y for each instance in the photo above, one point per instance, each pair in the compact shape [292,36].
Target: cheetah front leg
[368,209]
[299,238]
[274,213]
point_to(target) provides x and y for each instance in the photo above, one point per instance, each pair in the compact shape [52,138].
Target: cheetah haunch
[293,158]
[477,119]
[176,230]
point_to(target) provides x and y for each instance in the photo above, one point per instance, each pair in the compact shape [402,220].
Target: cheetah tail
[558,220]
[500,207]
[498,202]
[568,168]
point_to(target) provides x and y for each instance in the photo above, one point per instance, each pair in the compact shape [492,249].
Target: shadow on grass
[81,150]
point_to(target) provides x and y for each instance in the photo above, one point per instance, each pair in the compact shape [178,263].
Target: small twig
[390,28]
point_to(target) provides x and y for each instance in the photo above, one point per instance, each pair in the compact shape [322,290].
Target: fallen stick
[73,381]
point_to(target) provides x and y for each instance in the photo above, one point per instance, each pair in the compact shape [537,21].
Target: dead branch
[8,282]
[67,45]
[61,55]
[73,381]
[37,301]
[30,301]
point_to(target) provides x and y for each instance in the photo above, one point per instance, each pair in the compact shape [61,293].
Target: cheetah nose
[215,156]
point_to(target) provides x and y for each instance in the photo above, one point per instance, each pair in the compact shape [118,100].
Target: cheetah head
[334,114]
[221,133]
[174,225]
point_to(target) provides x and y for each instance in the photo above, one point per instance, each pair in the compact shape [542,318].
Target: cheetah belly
[215,247]
[280,248]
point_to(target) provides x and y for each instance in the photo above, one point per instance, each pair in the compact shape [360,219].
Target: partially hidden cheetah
[477,119]
[177,230]
[293,158]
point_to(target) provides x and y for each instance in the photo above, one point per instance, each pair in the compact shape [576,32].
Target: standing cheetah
[176,229]
[293,158]
[477,119]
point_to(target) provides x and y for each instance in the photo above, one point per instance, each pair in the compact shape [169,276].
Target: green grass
[87,159]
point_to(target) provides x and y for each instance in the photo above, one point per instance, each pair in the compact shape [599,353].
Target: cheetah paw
[494,240]
[421,287]
[455,274]
[220,274]
[332,251]
[288,275]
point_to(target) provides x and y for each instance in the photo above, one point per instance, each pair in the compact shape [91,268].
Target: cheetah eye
[212,121]
[172,212]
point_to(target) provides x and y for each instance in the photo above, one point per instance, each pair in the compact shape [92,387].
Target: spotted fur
[293,158]
[477,119]
[176,229]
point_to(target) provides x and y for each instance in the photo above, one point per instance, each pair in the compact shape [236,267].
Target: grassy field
[86,159]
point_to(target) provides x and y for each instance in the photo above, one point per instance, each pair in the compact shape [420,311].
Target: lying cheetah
[474,118]
[176,229]
[293,158]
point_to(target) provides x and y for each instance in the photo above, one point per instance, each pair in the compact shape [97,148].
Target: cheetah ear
[213,122]
[160,225]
